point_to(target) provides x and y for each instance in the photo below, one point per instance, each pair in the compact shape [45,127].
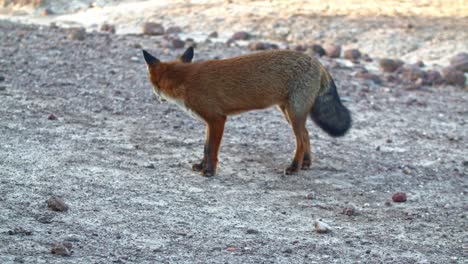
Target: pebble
[2,88]
[413,73]
[47,12]
[366,58]
[260,46]
[178,43]
[19,231]
[108,28]
[231,249]
[173,30]
[57,204]
[2,78]
[213,34]
[460,62]
[399,197]
[62,249]
[349,211]
[310,196]
[251,231]
[321,227]
[76,34]
[369,76]
[454,76]
[333,51]
[241,35]
[352,54]
[288,251]
[151,28]
[390,65]
[51,117]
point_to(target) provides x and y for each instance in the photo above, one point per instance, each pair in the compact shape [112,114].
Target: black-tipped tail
[329,113]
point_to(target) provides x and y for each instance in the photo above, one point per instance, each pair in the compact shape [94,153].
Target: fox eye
[187,56]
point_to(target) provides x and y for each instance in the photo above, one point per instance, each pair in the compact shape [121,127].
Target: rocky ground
[79,122]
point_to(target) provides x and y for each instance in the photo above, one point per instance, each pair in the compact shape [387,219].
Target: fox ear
[187,56]
[150,59]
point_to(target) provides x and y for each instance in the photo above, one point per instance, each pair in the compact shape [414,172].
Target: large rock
[390,65]
[241,35]
[454,76]
[433,77]
[151,28]
[460,62]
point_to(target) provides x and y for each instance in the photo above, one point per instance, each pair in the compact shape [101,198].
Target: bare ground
[121,161]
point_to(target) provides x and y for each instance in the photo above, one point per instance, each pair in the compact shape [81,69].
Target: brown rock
[108,28]
[352,54]
[173,30]
[399,197]
[241,35]
[300,48]
[333,51]
[454,76]
[76,33]
[151,28]
[390,65]
[433,77]
[412,73]
[47,12]
[178,44]
[460,62]
[57,204]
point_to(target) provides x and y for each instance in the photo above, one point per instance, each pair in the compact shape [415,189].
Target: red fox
[211,90]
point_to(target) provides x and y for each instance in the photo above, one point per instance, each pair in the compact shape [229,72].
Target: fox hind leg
[298,125]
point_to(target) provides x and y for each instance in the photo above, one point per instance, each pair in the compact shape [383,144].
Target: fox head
[153,61]
[157,70]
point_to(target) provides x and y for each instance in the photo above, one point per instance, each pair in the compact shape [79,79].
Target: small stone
[178,43]
[57,204]
[288,251]
[213,34]
[241,35]
[251,231]
[2,88]
[151,28]
[45,219]
[150,166]
[460,62]
[61,249]
[319,50]
[108,28]
[333,51]
[51,117]
[454,76]
[352,54]
[259,46]
[2,78]
[173,30]
[406,170]
[419,64]
[321,227]
[47,12]
[390,65]
[399,197]
[349,211]
[231,249]
[369,76]
[366,58]
[310,196]
[76,34]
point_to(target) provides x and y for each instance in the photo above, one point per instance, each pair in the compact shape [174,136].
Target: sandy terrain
[121,161]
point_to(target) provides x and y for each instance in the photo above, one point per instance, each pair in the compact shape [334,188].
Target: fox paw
[198,166]
[292,169]
[208,173]
[306,164]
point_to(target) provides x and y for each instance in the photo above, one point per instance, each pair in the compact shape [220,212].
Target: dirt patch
[120,161]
